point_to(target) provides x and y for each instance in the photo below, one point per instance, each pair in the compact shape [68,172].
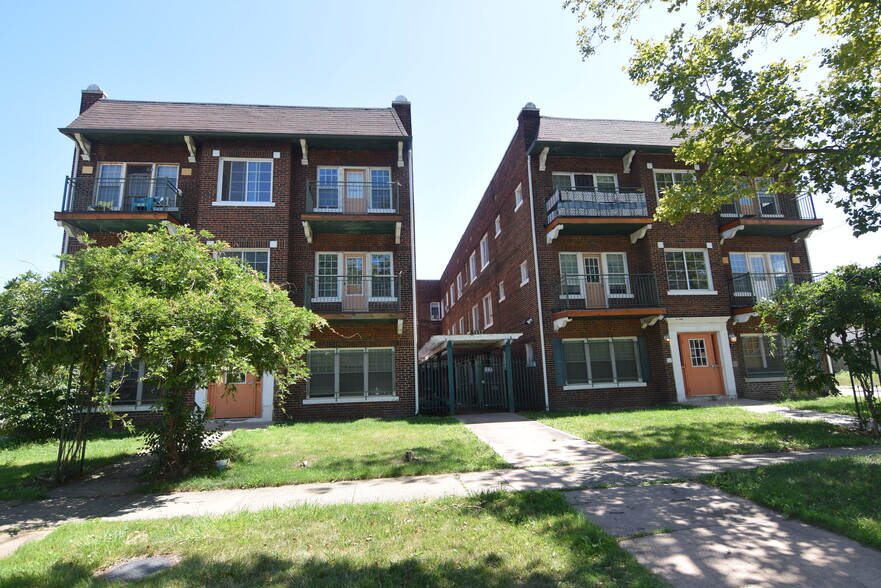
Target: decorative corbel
[729,234]
[398,232]
[561,322]
[191,146]
[639,233]
[72,231]
[628,159]
[400,154]
[804,234]
[554,233]
[400,326]
[307,230]
[742,317]
[84,145]
[542,158]
[305,160]
[650,321]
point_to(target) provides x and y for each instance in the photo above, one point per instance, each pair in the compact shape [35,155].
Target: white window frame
[709,290]
[571,176]
[472,266]
[683,172]
[764,348]
[484,252]
[518,197]
[219,200]
[640,381]
[530,355]
[367,397]
[459,286]
[604,270]
[453,329]
[452,296]
[139,403]
[462,325]
[766,259]
[498,225]
[268,252]
[120,196]
[475,318]
[524,273]
[487,311]
[368,174]
[501,290]
[432,313]
[367,273]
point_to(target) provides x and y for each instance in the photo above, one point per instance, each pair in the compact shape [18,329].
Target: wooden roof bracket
[84,145]
[307,230]
[305,149]
[398,225]
[561,322]
[542,158]
[730,233]
[554,233]
[639,233]
[191,146]
[650,321]
[400,154]
[804,234]
[628,159]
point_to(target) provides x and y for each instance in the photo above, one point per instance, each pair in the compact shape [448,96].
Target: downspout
[541,323]
[413,270]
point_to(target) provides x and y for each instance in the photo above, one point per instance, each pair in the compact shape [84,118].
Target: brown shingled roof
[613,132]
[238,118]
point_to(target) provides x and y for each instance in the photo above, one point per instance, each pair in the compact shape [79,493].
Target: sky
[467,67]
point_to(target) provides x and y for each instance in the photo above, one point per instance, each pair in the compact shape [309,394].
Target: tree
[839,316]
[164,297]
[746,120]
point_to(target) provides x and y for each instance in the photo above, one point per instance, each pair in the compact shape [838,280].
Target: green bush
[33,408]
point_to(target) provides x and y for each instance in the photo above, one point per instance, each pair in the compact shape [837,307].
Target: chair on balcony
[144,203]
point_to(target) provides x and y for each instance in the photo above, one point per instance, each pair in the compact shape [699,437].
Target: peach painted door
[356,191]
[701,368]
[355,285]
[245,403]
[594,289]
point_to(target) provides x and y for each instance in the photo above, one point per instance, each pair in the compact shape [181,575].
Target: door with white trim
[356,191]
[594,289]
[701,364]
[354,282]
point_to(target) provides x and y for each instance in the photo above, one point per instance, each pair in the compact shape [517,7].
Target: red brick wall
[427,291]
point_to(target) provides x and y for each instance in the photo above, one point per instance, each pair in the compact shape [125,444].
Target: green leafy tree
[164,297]
[840,316]
[741,118]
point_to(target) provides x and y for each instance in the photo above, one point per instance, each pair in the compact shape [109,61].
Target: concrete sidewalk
[523,442]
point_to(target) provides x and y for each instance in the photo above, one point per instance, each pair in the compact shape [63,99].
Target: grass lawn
[839,494]
[21,462]
[498,540]
[679,431]
[353,450]
[835,404]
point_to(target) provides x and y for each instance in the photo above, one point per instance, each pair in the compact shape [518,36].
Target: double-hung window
[256,259]
[435,311]
[759,274]
[475,318]
[498,225]
[518,197]
[452,296]
[501,291]
[665,179]
[381,191]
[245,181]
[602,362]
[459,285]
[128,388]
[688,271]
[382,287]
[328,189]
[524,273]
[351,374]
[759,357]
[327,286]
[472,266]
[487,311]
[484,252]
[585,182]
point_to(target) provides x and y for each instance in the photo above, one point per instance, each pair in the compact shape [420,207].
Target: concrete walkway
[757,406]
[695,536]
[523,442]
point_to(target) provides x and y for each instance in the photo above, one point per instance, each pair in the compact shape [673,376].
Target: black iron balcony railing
[605,292]
[353,293]
[352,197]
[770,206]
[122,195]
[597,202]
[748,288]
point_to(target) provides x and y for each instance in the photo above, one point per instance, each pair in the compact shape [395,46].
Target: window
[245,181]
[524,273]
[128,386]
[257,260]
[459,285]
[501,291]
[136,186]
[328,189]
[475,318]
[351,373]
[688,270]
[518,196]
[760,359]
[498,226]
[602,362]
[487,311]
[665,179]
[606,271]
[530,355]
[327,276]
[462,326]
[377,275]
[454,330]
[472,266]
[435,311]
[759,274]
[381,286]
[585,182]
[452,296]
[484,252]
[362,187]
[381,191]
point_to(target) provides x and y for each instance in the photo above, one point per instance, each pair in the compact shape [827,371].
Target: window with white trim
[585,182]
[256,259]
[459,285]
[484,252]
[359,373]
[530,355]
[487,311]
[472,266]
[761,357]
[501,291]
[602,362]
[126,384]
[688,270]
[327,271]
[475,318]
[452,296]
[243,180]
[137,186]
[607,271]
[759,274]
[462,326]
[498,225]
[518,196]
[329,277]
[372,184]
[435,311]
[666,178]
[524,273]
[453,331]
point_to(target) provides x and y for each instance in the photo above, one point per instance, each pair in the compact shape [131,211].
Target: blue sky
[467,68]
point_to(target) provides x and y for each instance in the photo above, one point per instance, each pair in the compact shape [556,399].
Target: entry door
[356,191]
[355,287]
[245,403]
[594,289]
[701,367]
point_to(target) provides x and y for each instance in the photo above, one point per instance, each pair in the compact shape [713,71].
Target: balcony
[596,211]
[748,288]
[352,208]
[606,296]
[770,214]
[112,205]
[354,297]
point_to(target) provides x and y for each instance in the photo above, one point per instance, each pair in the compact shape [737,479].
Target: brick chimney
[402,107]
[91,95]
[529,121]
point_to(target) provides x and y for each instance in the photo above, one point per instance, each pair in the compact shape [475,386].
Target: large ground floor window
[351,373]
[602,362]
[127,386]
[761,357]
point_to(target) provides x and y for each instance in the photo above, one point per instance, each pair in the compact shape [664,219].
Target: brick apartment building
[317,199]
[563,261]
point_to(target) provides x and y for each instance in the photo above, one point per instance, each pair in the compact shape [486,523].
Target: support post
[451,378]
[509,375]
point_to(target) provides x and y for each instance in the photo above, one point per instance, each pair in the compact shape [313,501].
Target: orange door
[355,286]
[356,191]
[594,289]
[701,368]
[244,403]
